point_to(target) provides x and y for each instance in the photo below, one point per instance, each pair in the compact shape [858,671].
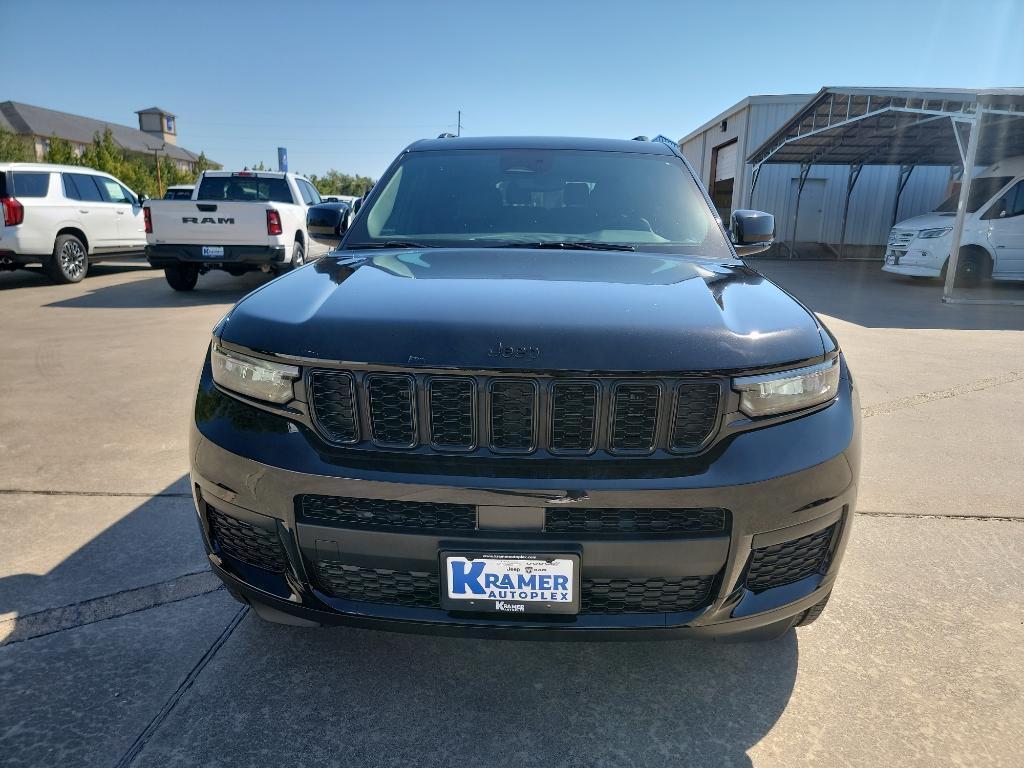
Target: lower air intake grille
[790,561]
[626,520]
[246,542]
[387,513]
[379,585]
[645,595]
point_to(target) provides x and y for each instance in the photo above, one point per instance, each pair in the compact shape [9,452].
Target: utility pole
[458,129]
[159,183]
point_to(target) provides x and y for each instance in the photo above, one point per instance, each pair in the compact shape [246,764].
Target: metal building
[719,149]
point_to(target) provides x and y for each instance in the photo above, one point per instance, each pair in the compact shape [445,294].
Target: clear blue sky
[347,85]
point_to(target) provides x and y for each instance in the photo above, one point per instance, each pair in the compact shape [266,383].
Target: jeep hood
[569,310]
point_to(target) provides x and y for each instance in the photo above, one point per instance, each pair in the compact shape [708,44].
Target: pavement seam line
[941,516]
[923,398]
[111,606]
[165,711]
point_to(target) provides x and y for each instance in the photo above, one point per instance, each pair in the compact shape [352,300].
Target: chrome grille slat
[515,414]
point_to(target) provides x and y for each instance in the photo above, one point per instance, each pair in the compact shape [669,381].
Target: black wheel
[70,261]
[182,277]
[970,269]
[811,614]
[298,254]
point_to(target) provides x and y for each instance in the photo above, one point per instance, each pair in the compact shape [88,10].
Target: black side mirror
[143,197]
[324,222]
[751,232]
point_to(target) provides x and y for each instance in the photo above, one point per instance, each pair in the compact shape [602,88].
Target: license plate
[510,584]
[213,250]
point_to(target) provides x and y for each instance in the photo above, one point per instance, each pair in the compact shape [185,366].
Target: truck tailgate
[202,222]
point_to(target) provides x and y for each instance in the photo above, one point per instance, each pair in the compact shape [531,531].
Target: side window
[31,184]
[304,191]
[86,187]
[112,191]
[1008,205]
[314,196]
[70,190]
[129,195]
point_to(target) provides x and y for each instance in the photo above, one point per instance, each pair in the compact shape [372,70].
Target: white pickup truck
[235,221]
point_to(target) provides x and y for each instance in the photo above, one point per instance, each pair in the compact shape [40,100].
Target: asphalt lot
[117,647]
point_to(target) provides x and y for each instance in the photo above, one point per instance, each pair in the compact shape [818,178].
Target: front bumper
[254,255]
[791,482]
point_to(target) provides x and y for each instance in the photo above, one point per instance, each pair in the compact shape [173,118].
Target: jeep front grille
[514,414]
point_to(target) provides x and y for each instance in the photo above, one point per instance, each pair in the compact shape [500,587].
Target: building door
[812,210]
[723,175]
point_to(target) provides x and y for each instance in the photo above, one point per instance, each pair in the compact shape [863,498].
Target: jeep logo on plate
[509,352]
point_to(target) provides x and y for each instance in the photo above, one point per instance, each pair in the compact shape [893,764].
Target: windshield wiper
[569,245]
[386,244]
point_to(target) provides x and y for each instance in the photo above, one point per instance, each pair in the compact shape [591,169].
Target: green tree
[336,183]
[60,152]
[104,154]
[15,148]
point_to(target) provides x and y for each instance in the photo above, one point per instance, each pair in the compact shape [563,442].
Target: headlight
[251,376]
[928,234]
[787,391]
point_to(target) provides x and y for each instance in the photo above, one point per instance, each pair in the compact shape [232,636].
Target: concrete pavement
[120,649]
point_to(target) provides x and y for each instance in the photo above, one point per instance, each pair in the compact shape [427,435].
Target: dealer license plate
[511,584]
[213,250]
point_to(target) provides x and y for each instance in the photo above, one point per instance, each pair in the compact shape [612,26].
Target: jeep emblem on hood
[510,352]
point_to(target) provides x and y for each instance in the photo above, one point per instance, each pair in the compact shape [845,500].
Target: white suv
[65,217]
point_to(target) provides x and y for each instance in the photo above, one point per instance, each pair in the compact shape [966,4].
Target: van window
[981,192]
[80,186]
[1009,204]
[28,184]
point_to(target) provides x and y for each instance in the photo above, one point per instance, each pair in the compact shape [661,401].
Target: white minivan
[992,245]
[66,217]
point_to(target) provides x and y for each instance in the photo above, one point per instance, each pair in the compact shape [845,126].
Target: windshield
[241,188]
[473,198]
[982,191]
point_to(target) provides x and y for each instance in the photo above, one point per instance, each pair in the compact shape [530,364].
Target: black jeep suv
[535,391]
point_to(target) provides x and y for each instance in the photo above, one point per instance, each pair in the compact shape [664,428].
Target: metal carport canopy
[899,126]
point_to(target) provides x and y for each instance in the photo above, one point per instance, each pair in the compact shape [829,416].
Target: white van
[992,245]
[65,218]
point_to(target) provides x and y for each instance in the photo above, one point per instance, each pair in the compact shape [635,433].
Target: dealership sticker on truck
[513,584]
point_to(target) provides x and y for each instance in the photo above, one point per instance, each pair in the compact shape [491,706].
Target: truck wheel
[811,614]
[298,255]
[181,277]
[70,261]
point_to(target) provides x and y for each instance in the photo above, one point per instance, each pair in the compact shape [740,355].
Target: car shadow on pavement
[861,293]
[361,697]
[154,291]
[33,277]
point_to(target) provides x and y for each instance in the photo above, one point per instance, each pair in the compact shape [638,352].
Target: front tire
[181,277]
[70,261]
[970,269]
